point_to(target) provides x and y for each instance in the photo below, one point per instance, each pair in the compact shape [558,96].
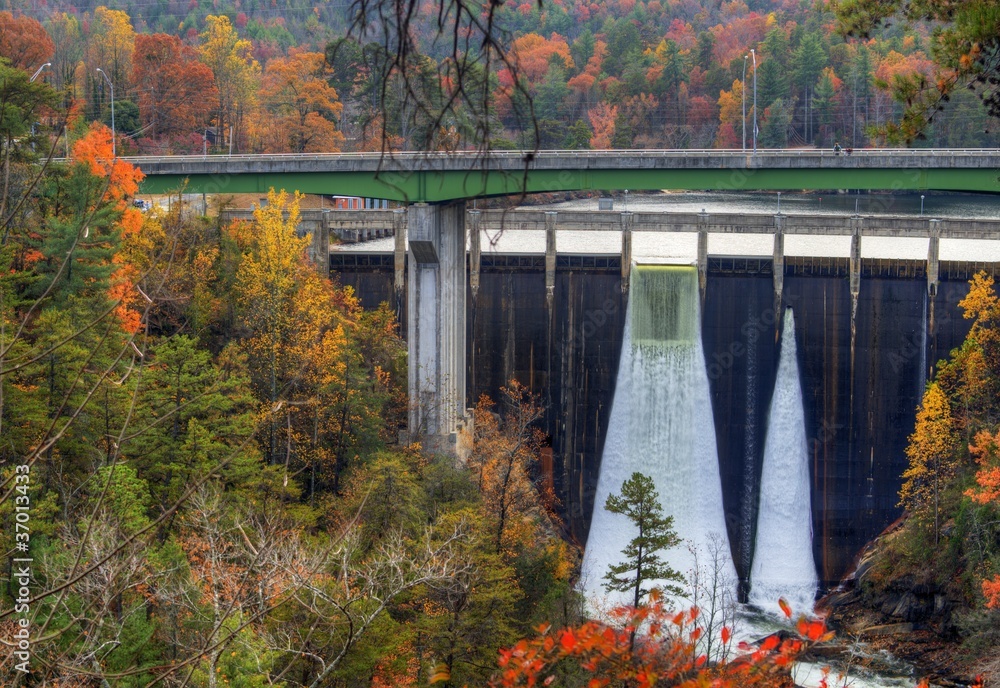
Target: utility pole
[754,56]
[743,90]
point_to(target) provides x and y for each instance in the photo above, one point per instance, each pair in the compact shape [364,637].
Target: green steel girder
[443,186]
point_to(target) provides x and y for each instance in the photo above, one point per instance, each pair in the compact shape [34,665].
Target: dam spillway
[858,410]
[660,426]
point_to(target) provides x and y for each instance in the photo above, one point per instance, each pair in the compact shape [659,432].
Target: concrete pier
[627,221]
[550,257]
[475,251]
[702,255]
[436,329]
[399,249]
[933,253]
[855,262]
[778,263]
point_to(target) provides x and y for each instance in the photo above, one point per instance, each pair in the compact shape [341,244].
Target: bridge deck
[441,177]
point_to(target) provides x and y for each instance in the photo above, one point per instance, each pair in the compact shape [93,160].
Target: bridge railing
[521,155]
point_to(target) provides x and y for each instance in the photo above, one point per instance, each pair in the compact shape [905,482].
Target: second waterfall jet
[783,563]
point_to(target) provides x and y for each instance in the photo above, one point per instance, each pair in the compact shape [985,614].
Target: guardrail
[529,156]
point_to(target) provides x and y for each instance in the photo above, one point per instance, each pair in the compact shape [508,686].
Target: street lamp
[31,81]
[754,56]
[114,150]
[39,71]
[921,205]
[743,88]
[779,203]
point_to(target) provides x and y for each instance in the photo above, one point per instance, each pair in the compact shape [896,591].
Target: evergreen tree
[578,136]
[639,501]
[808,63]
[823,104]
[773,74]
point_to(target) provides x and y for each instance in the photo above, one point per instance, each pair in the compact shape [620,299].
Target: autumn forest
[242,77]
[205,478]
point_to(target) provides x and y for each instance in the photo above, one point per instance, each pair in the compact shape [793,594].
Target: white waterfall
[783,564]
[661,425]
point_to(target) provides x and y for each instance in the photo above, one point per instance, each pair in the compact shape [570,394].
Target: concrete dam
[875,305]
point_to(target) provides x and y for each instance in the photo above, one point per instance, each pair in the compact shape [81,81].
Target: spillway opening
[662,314]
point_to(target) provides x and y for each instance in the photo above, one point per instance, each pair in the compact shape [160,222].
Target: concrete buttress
[436,328]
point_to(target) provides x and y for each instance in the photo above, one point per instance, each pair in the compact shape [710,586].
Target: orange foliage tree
[986,451]
[95,151]
[304,107]
[504,457]
[177,92]
[24,41]
[602,119]
[534,53]
[731,117]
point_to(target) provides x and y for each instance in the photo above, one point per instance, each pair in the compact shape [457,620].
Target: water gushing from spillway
[661,425]
[783,564]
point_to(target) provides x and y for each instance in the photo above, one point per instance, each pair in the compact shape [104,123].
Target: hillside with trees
[939,569]
[192,77]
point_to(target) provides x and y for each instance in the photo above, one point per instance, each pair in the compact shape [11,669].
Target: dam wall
[862,377]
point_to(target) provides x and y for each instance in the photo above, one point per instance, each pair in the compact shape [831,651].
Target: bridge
[444,177]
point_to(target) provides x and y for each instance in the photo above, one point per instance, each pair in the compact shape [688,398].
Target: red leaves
[991,591]
[786,610]
[813,630]
[567,640]
[673,658]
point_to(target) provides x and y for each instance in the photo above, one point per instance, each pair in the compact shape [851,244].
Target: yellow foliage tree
[267,284]
[971,379]
[236,72]
[982,306]
[111,45]
[930,453]
[505,453]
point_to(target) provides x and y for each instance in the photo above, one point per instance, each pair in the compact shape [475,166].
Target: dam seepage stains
[856,455]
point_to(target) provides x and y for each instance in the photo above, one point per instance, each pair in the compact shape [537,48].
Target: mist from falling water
[783,564]
[661,425]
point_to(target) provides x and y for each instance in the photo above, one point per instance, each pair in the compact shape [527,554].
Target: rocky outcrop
[905,613]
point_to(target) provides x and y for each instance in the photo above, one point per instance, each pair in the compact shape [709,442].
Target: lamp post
[39,71]
[743,89]
[114,150]
[754,56]
[31,81]
[921,205]
[779,203]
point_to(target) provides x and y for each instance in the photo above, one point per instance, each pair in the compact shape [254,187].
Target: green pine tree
[640,502]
